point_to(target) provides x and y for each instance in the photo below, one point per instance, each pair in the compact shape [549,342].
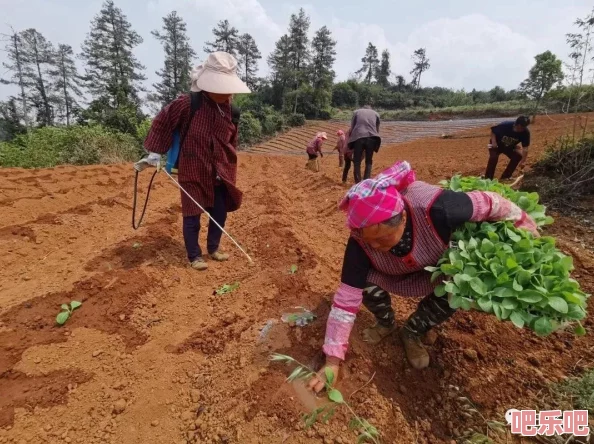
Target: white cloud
[472,51]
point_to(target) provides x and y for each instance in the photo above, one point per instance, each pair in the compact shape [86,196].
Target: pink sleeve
[347,302]
[491,207]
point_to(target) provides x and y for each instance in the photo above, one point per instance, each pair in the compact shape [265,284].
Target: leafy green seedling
[500,269]
[67,311]
[227,288]
[293,269]
[367,432]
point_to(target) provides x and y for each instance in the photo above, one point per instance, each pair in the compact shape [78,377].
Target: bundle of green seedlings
[500,269]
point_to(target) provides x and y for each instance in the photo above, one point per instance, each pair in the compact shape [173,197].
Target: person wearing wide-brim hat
[208,158]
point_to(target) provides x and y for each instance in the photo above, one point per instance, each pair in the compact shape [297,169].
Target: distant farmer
[314,148]
[512,139]
[345,153]
[399,226]
[208,157]
[341,147]
[364,139]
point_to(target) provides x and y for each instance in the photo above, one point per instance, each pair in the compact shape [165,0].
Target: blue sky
[470,44]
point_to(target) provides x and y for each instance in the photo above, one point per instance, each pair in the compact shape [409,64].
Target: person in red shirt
[208,156]
[313,149]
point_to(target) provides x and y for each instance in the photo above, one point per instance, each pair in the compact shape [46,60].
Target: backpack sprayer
[170,169]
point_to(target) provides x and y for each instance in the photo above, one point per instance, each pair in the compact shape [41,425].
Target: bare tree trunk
[15,38]
[46,105]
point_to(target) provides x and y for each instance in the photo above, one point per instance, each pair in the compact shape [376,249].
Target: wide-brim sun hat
[218,75]
[322,136]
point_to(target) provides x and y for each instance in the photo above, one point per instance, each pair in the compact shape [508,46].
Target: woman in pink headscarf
[399,226]
[314,148]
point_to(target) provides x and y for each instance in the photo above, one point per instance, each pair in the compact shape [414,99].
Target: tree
[248,56]
[66,83]
[10,122]
[226,39]
[400,83]
[38,55]
[279,62]
[546,73]
[322,74]
[421,65]
[113,74]
[14,50]
[497,94]
[175,74]
[370,64]
[580,43]
[299,49]
[581,47]
[384,72]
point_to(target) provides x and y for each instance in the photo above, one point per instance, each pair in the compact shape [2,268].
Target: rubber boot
[416,353]
[431,311]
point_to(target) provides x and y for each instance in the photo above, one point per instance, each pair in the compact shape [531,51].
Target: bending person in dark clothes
[399,226]
[511,139]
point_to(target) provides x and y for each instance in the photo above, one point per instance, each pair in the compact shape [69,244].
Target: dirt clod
[119,406]
[471,354]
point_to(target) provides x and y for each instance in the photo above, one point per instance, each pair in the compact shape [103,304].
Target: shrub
[142,130]
[250,129]
[272,123]
[569,167]
[296,120]
[325,114]
[78,145]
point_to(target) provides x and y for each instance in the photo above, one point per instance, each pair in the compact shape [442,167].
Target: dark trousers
[431,311]
[347,166]
[191,226]
[367,146]
[514,160]
[312,156]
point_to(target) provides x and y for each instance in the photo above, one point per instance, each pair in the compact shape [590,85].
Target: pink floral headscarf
[374,201]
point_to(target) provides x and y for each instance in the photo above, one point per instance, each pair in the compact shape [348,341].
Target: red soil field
[153,356]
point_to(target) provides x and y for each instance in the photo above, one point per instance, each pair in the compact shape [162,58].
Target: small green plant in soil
[67,311]
[293,269]
[227,288]
[367,432]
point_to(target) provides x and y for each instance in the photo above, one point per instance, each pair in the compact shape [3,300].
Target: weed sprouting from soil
[227,288]
[67,311]
[367,432]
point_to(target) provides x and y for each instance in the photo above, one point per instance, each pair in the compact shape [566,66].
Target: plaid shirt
[208,152]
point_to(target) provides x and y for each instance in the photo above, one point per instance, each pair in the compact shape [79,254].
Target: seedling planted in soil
[293,269]
[367,432]
[227,288]
[67,311]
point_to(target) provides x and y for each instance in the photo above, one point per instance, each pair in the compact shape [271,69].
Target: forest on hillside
[109,96]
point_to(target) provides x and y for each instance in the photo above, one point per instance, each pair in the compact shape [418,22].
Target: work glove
[153,159]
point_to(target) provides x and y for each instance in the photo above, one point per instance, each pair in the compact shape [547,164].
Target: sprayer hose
[148,193]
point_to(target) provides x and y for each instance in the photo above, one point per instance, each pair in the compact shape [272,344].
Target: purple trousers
[191,226]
